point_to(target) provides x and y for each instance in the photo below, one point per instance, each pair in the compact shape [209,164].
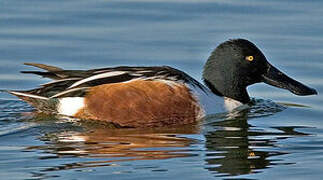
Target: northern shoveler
[158,96]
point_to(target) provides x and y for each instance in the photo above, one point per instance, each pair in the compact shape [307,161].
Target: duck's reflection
[232,147]
[236,149]
[109,145]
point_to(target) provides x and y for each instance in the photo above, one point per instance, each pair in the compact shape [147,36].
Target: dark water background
[281,140]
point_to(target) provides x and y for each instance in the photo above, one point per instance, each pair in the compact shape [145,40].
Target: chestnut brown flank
[141,103]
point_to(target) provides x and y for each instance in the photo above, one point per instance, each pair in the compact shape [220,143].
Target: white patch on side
[98,76]
[69,106]
[231,104]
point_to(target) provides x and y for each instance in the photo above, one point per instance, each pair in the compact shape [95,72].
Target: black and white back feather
[75,83]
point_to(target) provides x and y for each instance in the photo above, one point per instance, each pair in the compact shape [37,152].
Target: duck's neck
[229,90]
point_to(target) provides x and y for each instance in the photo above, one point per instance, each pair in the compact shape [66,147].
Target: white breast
[213,104]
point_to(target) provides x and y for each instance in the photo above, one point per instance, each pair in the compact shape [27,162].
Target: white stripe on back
[98,76]
[68,91]
[60,80]
[28,95]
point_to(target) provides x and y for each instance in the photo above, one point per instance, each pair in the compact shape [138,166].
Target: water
[278,139]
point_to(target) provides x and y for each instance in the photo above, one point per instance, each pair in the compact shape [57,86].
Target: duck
[158,95]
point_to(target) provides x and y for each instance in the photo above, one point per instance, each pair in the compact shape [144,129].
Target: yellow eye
[249,58]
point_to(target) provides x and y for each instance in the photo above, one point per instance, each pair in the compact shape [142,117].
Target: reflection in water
[232,146]
[236,149]
[116,145]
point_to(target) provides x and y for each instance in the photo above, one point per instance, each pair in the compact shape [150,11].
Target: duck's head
[238,63]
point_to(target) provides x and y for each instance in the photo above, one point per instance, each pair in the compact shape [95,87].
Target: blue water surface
[281,137]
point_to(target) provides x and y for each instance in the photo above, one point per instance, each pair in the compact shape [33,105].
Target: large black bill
[276,78]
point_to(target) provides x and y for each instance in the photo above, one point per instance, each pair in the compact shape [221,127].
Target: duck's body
[127,96]
[158,96]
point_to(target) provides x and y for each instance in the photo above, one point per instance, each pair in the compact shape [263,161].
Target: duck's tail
[51,72]
[39,102]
